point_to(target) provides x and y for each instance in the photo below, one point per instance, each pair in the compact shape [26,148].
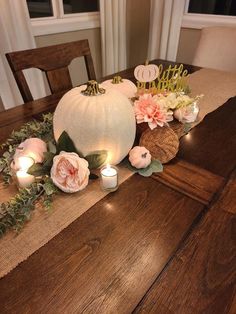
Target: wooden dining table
[160,244]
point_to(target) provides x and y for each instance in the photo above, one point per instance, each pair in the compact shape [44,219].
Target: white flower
[187,114]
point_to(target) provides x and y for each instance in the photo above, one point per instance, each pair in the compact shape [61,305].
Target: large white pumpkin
[104,121]
[124,86]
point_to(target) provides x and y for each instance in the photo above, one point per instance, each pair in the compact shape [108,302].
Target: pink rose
[69,172]
[32,147]
[187,114]
[148,109]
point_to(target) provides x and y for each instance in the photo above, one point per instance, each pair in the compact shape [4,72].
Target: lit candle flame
[25,162]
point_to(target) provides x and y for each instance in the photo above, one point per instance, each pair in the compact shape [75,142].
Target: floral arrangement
[57,166]
[159,109]
[162,102]
[43,167]
[163,95]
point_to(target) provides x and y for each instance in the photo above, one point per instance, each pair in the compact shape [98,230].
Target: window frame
[61,22]
[198,21]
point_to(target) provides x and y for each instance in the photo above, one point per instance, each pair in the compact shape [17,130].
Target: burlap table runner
[217,88]
[43,226]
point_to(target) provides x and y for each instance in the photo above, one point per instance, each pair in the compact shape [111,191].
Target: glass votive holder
[109,178]
[24,179]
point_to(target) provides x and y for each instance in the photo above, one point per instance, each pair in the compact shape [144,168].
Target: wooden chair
[52,60]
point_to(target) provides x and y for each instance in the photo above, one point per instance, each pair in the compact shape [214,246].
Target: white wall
[189,38]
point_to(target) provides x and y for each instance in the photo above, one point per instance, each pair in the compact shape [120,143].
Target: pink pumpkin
[139,157]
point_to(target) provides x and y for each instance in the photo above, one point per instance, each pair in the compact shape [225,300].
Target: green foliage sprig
[41,129]
[155,166]
[14,213]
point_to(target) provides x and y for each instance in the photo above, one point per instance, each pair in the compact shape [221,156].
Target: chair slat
[59,80]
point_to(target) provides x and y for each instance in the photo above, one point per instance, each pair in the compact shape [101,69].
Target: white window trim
[60,22]
[198,21]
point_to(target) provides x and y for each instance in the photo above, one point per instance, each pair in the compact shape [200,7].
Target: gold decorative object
[173,79]
[163,143]
[93,89]
[117,80]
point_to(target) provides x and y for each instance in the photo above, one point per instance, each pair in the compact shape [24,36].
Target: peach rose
[32,147]
[187,114]
[69,172]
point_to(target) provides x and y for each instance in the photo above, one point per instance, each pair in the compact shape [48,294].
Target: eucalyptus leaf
[156,166]
[6,155]
[66,144]
[48,159]
[49,187]
[145,172]
[128,165]
[96,159]
[19,134]
[39,170]
[52,147]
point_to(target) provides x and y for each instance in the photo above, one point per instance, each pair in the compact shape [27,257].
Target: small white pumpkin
[139,157]
[96,119]
[146,73]
[124,86]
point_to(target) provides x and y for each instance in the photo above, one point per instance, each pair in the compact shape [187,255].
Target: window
[75,6]
[204,13]
[217,7]
[40,8]
[56,16]
[47,8]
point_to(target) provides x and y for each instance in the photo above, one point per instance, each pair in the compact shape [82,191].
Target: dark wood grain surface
[201,277]
[112,253]
[190,180]
[164,244]
[212,144]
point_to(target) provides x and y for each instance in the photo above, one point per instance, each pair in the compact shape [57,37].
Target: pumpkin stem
[93,89]
[146,62]
[117,79]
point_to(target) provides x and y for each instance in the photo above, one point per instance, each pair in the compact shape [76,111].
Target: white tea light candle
[23,178]
[109,178]
[25,162]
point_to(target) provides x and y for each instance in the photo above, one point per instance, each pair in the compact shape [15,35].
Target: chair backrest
[216,48]
[54,61]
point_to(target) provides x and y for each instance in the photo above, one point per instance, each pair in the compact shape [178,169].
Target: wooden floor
[164,244]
